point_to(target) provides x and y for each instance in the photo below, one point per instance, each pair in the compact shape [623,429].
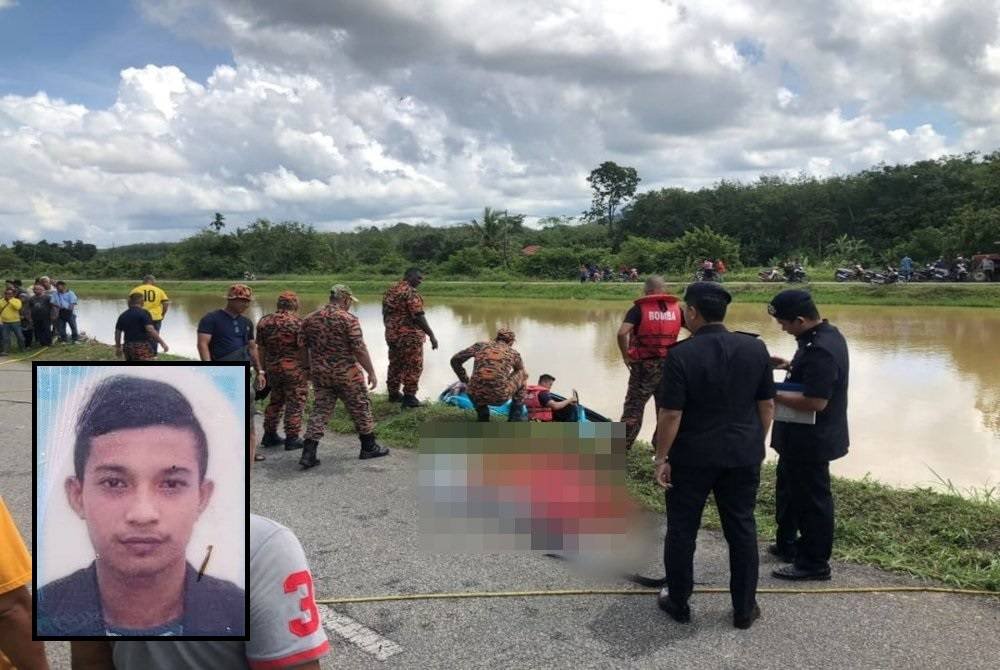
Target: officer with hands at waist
[716,405]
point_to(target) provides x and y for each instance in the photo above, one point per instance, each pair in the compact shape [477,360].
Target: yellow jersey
[153,298]
[15,563]
[10,310]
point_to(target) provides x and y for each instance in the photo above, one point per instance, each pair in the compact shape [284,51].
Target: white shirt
[285,628]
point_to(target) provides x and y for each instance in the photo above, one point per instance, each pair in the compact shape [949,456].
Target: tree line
[927,209]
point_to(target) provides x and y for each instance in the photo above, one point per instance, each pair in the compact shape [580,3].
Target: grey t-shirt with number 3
[285,627]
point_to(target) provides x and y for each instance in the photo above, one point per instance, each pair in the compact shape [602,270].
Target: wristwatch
[665,459]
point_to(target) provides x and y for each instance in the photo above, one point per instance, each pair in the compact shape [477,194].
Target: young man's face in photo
[141,497]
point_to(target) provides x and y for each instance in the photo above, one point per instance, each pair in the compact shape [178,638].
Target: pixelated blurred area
[495,487]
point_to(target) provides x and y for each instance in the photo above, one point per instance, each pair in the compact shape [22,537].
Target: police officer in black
[716,405]
[804,503]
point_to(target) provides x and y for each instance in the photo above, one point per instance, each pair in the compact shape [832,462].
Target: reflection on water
[925,391]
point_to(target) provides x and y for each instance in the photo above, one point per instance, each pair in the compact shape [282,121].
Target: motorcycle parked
[960,273]
[923,274]
[890,276]
[796,274]
[857,273]
[704,274]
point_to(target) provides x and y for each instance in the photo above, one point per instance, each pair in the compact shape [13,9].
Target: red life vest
[535,410]
[659,326]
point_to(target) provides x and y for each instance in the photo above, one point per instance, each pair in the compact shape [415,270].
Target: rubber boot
[411,401]
[292,443]
[395,396]
[516,412]
[483,413]
[309,459]
[370,448]
[271,440]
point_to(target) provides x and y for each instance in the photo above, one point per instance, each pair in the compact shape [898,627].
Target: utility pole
[506,235]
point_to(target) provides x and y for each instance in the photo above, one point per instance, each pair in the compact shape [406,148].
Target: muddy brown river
[925,382]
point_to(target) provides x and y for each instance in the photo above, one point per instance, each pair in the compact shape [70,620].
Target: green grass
[84,351]
[957,295]
[927,533]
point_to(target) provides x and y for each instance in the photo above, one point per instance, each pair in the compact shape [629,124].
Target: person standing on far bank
[803,500]
[716,405]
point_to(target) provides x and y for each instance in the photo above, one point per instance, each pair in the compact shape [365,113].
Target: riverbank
[922,532]
[87,350]
[924,295]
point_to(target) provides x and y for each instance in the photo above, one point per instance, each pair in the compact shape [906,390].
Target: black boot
[272,440]
[516,411]
[293,443]
[411,401]
[370,448]
[395,396]
[309,459]
[483,413]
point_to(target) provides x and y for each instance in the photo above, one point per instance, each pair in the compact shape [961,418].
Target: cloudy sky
[130,121]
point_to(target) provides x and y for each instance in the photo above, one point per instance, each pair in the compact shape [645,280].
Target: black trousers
[43,332]
[804,512]
[735,491]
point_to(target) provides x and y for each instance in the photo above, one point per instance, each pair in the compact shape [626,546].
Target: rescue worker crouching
[498,375]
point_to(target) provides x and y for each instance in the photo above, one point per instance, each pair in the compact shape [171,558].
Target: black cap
[791,304]
[707,289]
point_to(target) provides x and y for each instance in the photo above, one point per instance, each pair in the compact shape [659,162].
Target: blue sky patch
[75,50]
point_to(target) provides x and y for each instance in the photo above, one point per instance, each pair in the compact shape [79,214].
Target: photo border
[248,423]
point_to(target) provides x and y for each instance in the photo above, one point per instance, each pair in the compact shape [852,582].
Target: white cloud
[381,110]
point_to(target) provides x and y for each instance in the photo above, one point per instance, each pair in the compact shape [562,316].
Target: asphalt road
[358,523]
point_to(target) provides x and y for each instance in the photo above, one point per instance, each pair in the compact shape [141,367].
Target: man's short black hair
[412,272]
[544,378]
[122,402]
[710,299]
[711,309]
[15,282]
[60,283]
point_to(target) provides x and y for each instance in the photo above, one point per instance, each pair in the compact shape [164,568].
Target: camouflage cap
[288,300]
[505,335]
[340,290]
[239,292]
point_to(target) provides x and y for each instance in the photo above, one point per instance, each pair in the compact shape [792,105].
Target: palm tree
[218,222]
[491,229]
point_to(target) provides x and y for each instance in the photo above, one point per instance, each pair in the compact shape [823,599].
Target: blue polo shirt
[229,333]
[64,300]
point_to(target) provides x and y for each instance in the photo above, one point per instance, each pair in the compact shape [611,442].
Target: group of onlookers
[38,316]
[595,273]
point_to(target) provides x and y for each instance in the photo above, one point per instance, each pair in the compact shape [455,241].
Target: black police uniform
[716,379]
[804,503]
